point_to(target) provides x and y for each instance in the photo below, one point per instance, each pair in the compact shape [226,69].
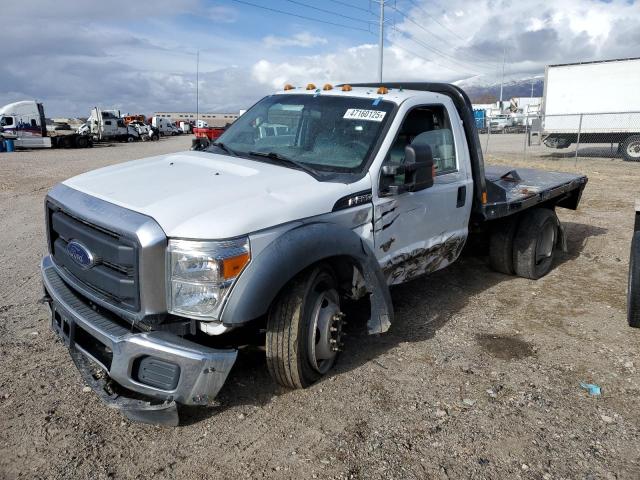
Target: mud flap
[155,413]
[380,298]
[562,237]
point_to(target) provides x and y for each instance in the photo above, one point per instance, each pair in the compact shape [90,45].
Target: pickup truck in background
[502,123]
[160,269]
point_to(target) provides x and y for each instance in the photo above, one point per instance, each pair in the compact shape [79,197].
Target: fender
[291,253]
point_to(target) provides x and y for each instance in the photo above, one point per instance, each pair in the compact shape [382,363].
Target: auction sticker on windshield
[360,114]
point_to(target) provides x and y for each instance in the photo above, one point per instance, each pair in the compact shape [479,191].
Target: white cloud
[468,43]
[80,54]
[302,39]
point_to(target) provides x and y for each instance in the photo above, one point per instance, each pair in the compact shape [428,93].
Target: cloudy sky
[141,56]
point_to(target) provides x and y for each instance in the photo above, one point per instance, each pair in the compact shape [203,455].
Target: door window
[428,125]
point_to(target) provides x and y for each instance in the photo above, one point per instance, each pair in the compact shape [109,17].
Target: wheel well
[344,268]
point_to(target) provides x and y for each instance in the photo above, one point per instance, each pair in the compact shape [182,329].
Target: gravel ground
[478,378]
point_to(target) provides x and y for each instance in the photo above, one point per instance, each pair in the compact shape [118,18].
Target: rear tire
[534,243]
[300,344]
[83,142]
[501,245]
[130,139]
[631,148]
[633,291]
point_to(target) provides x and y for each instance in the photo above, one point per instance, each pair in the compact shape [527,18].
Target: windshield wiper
[222,146]
[283,160]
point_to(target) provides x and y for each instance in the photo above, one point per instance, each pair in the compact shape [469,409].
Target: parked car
[160,269]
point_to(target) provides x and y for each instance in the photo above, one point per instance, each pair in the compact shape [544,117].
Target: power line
[302,4]
[434,49]
[415,4]
[353,6]
[406,50]
[243,2]
[465,67]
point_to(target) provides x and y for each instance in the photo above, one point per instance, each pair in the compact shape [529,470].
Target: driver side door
[419,232]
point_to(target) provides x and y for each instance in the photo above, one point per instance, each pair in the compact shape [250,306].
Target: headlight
[200,275]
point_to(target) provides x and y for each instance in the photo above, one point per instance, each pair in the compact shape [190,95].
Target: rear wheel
[83,142]
[304,329]
[501,245]
[631,149]
[633,291]
[534,243]
[155,137]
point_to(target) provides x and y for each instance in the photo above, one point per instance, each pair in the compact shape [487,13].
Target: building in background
[212,119]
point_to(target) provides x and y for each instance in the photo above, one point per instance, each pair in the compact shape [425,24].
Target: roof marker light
[346,88]
[311,86]
[383,90]
[288,86]
[327,86]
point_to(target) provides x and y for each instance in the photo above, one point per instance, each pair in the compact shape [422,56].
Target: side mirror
[419,167]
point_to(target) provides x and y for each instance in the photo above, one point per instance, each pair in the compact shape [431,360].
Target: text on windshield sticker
[360,114]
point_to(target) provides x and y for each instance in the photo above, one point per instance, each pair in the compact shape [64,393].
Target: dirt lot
[478,378]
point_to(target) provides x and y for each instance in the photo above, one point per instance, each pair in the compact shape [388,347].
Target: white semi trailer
[24,122]
[593,102]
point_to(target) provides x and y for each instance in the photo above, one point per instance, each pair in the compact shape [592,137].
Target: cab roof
[395,95]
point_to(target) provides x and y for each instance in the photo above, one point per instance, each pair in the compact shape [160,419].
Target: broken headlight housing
[201,274]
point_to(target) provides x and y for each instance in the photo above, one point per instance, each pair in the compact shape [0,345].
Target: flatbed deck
[511,190]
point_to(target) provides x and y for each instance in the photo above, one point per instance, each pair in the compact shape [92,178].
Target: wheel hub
[634,149]
[325,333]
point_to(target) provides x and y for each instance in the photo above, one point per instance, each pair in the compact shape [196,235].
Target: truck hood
[203,195]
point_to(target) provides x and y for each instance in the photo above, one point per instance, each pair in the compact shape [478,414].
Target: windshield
[327,133]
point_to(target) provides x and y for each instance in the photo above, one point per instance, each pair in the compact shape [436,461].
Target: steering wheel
[357,144]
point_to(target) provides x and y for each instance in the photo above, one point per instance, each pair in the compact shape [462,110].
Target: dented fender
[291,253]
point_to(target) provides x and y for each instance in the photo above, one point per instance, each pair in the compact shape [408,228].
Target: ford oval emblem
[80,254]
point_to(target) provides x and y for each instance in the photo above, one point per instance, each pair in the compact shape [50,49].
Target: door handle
[462,196]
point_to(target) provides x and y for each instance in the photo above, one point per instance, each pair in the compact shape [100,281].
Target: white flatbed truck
[158,269]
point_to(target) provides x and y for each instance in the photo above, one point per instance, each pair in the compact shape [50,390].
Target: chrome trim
[144,230]
[203,370]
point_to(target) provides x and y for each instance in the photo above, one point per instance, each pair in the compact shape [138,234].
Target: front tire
[633,292]
[304,327]
[534,243]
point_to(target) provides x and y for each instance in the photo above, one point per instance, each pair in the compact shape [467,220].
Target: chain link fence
[587,135]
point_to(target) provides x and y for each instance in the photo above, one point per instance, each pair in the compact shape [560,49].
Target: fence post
[488,124]
[526,135]
[579,133]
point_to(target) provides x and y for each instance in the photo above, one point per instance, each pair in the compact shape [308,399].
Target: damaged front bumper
[152,370]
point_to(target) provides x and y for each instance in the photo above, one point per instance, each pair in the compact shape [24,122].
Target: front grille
[114,274]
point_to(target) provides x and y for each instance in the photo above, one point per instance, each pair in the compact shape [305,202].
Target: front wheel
[631,148]
[304,329]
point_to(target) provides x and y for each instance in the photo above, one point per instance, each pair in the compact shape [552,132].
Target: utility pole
[504,59]
[197,87]
[381,41]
